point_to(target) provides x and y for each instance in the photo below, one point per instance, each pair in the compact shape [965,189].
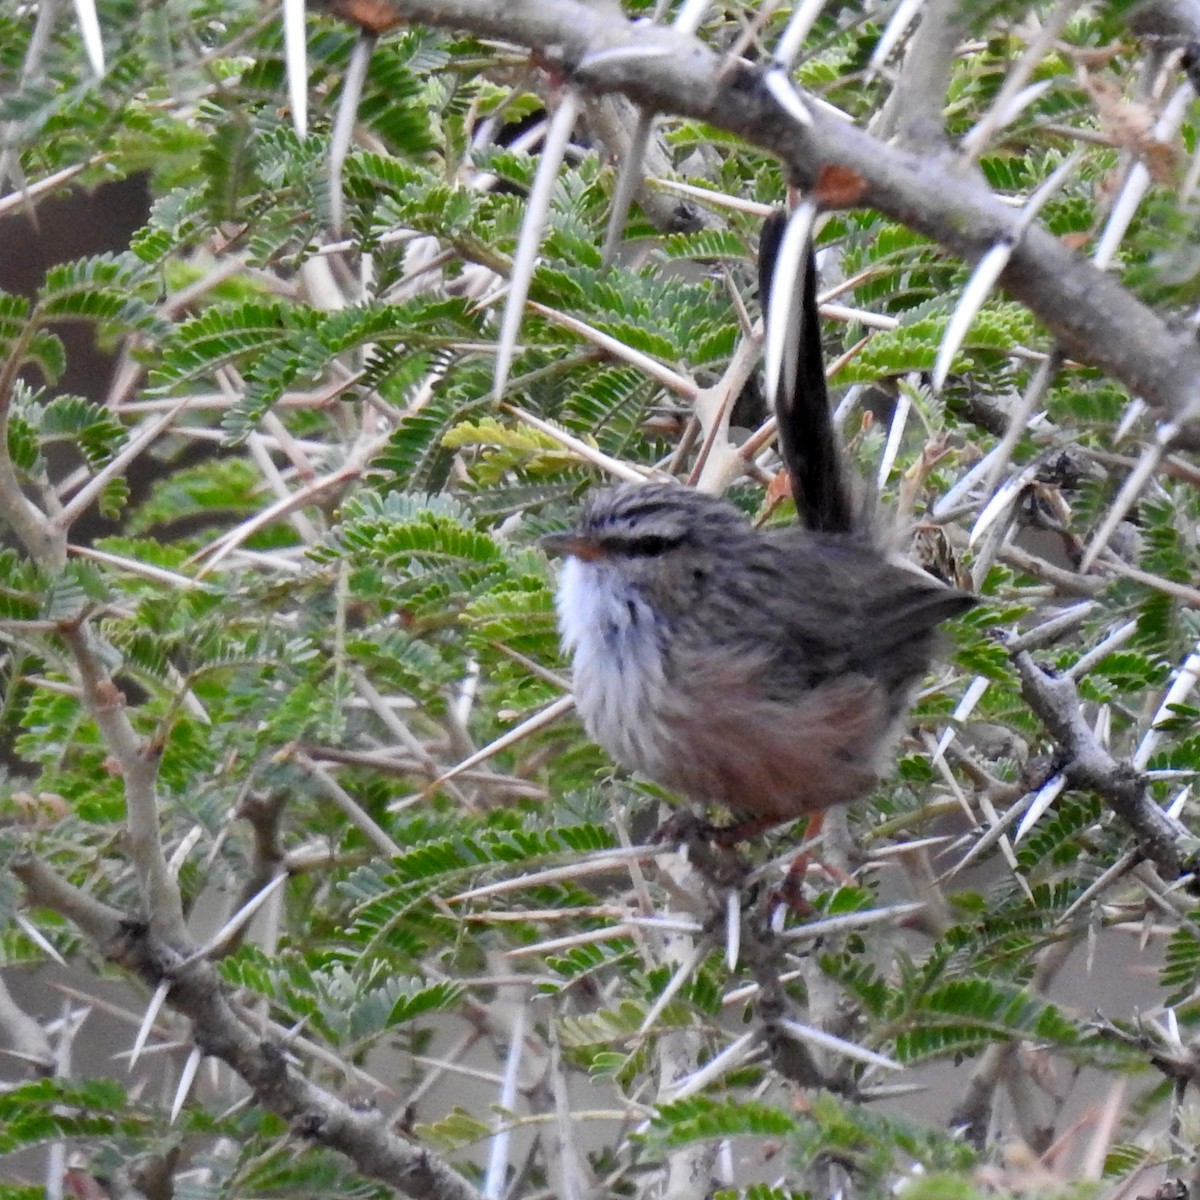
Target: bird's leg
[791,890]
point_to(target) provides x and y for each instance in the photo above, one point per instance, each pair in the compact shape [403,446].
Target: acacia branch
[914,109]
[138,759]
[221,1030]
[1054,699]
[613,121]
[1088,313]
[45,540]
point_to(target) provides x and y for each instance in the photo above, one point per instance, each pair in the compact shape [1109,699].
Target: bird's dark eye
[645,545]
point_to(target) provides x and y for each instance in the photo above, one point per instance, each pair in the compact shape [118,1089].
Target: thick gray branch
[1091,316]
[220,1030]
[1090,767]
[914,109]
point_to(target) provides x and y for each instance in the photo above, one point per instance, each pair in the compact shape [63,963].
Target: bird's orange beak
[577,545]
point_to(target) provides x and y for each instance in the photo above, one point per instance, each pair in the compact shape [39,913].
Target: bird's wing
[842,607]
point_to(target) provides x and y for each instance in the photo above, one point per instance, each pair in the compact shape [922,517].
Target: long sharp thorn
[295,53]
[1130,490]
[964,708]
[979,287]
[682,974]
[31,931]
[733,1054]
[691,13]
[343,124]
[828,1041]
[733,928]
[891,449]
[904,15]
[1046,796]
[786,96]
[1002,501]
[554,150]
[143,1033]
[799,25]
[627,182]
[186,1078]
[89,30]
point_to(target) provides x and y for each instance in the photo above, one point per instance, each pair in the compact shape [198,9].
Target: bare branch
[220,1030]
[1092,317]
[914,109]
[1088,766]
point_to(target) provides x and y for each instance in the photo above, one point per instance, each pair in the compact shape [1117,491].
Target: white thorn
[904,15]
[554,150]
[733,928]
[730,1057]
[1005,497]
[787,96]
[34,934]
[1180,687]
[627,182]
[1130,490]
[962,710]
[978,288]
[800,23]
[143,1033]
[1046,796]
[343,123]
[186,1076]
[691,13]
[827,1041]
[295,53]
[682,973]
[89,30]
[891,448]
[497,1168]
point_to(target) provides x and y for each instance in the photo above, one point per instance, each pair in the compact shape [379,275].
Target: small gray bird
[769,671]
[765,671]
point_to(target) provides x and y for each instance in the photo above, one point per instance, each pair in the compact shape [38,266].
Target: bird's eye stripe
[644,546]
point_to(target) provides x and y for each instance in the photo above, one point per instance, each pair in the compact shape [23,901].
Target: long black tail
[807,440]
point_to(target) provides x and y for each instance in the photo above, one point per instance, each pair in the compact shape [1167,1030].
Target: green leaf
[44,1110]
[961,1014]
[103,288]
[701,1119]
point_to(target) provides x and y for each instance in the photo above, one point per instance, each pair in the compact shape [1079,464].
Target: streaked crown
[647,521]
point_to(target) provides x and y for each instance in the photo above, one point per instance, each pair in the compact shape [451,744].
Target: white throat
[620,686]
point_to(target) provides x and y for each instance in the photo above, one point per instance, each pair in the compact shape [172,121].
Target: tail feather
[807,440]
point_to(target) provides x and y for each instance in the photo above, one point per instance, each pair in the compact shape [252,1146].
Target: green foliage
[315,588]
[42,1110]
[964,1014]
[872,1141]
[699,1119]
[351,1008]
[102,289]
